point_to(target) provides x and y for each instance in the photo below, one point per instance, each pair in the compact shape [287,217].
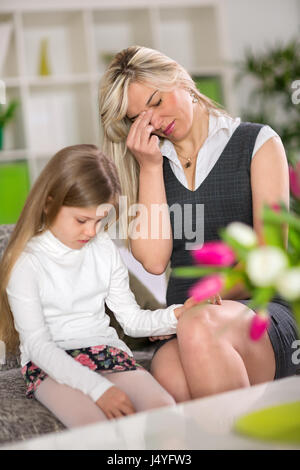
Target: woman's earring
[194,97]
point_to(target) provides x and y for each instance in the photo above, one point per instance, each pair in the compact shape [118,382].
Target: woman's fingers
[156,338]
[141,141]
[138,125]
[215,299]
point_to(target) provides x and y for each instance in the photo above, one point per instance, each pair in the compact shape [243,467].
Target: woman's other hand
[115,403]
[215,299]
[156,338]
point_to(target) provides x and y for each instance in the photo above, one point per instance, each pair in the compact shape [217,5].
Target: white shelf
[12,155]
[189,34]
[59,116]
[49,81]
[117,29]
[60,109]
[64,34]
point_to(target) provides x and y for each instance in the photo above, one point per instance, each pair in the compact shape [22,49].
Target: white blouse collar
[216,124]
[50,243]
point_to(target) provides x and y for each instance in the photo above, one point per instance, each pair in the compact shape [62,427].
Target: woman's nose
[156,121]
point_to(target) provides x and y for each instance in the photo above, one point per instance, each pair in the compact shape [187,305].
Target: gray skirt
[283,336]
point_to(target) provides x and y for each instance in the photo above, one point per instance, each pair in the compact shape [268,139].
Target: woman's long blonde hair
[77,176]
[152,68]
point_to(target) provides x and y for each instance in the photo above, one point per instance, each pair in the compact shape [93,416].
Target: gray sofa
[23,418]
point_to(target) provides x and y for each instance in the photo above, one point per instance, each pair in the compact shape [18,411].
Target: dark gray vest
[225,195]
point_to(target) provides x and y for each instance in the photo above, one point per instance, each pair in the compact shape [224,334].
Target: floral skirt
[97,358]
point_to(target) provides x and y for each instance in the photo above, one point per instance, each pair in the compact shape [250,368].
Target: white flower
[265,264]
[288,284]
[242,233]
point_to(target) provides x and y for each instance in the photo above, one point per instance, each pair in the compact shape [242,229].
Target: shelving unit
[61,109]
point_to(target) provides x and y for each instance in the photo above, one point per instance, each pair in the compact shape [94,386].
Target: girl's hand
[189,303]
[142,143]
[115,403]
[156,338]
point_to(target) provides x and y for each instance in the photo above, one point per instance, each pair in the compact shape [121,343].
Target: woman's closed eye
[153,105]
[158,103]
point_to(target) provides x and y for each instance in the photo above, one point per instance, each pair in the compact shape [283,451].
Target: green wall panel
[211,87]
[14,188]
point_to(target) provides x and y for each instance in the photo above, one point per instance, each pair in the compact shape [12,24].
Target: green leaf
[260,297]
[240,250]
[195,271]
[294,246]
[232,278]
[282,217]
[6,114]
[295,306]
[273,234]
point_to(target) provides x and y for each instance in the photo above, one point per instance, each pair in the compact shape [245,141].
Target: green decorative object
[211,87]
[44,68]
[279,424]
[14,188]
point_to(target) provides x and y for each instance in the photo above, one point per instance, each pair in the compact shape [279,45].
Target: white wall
[258,24]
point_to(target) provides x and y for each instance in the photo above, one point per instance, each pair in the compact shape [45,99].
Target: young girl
[56,275]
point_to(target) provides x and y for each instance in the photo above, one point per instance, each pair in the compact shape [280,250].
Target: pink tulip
[214,253]
[259,324]
[206,287]
[276,207]
[295,180]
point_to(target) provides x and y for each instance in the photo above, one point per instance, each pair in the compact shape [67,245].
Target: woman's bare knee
[166,368]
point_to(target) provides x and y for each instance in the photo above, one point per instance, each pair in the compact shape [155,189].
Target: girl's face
[75,226]
[172,111]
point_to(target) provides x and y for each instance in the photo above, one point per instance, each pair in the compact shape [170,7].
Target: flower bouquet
[265,269]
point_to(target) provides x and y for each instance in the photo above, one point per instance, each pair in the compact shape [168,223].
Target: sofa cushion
[5,231]
[22,418]
[11,361]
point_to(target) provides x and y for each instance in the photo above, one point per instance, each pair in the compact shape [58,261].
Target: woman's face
[172,111]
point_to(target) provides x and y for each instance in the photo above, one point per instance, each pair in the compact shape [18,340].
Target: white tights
[73,408]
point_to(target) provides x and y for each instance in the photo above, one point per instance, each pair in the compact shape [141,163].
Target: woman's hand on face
[141,141]
[115,403]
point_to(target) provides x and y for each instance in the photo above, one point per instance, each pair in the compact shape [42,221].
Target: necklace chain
[189,161]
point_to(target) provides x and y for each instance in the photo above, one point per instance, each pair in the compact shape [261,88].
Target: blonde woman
[55,276]
[175,149]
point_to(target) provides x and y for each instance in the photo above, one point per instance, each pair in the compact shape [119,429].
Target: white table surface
[205,423]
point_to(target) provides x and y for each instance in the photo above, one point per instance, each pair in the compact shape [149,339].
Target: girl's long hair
[77,176]
[149,67]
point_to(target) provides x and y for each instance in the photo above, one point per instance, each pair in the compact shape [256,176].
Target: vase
[44,68]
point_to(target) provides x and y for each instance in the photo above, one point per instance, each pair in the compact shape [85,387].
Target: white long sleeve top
[57,296]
